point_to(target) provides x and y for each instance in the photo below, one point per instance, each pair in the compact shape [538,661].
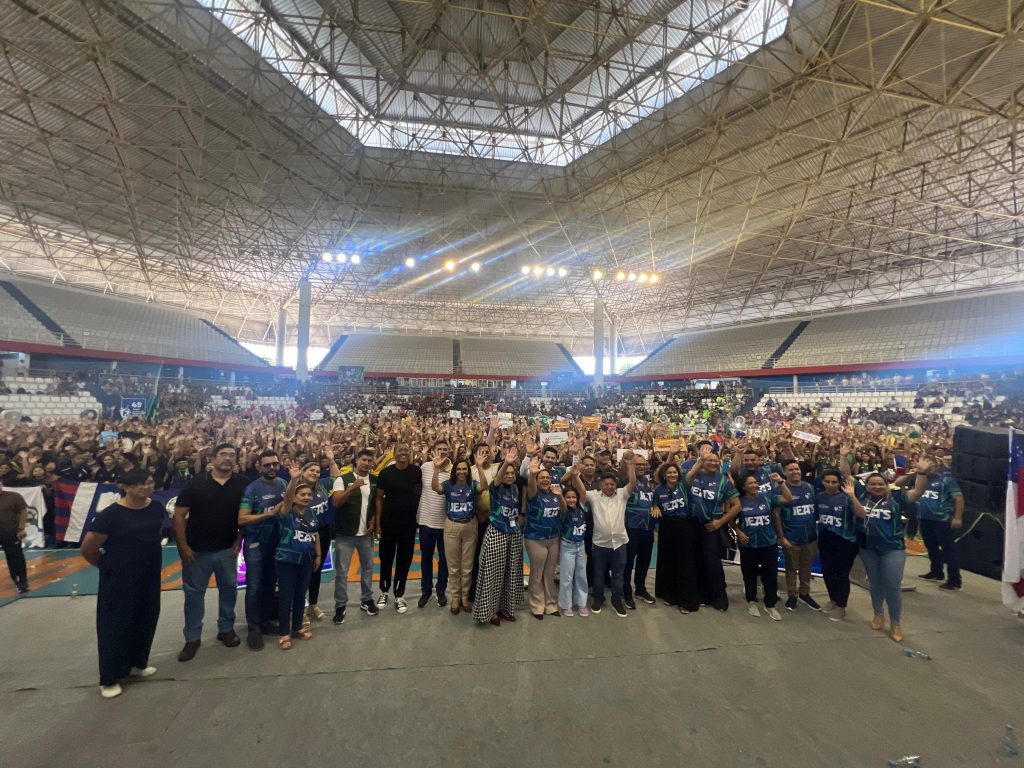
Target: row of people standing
[600,526]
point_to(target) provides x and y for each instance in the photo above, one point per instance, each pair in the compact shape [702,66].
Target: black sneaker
[646,597]
[629,603]
[254,640]
[949,586]
[339,616]
[23,588]
[791,603]
[620,609]
[810,602]
[424,599]
[368,606]
[596,606]
[189,651]
[442,599]
[930,576]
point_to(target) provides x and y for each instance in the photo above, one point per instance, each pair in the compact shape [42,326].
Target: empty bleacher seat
[728,349]
[394,354]
[513,357]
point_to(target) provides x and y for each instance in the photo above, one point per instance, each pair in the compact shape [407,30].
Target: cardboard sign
[554,438]
[700,429]
[454,414]
[560,424]
[504,420]
[636,452]
[591,422]
[806,436]
[317,415]
[669,445]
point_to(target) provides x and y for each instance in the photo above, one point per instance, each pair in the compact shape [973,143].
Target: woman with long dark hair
[297,556]
[459,528]
[675,578]
[500,586]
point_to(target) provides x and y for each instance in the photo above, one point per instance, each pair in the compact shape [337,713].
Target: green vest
[346,517]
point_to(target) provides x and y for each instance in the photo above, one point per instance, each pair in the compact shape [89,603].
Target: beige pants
[798,561]
[459,548]
[543,596]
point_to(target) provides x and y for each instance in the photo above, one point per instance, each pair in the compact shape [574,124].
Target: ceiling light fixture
[550,271]
[562,272]
[449,265]
[538,271]
[525,270]
[631,276]
[620,276]
[410,262]
[642,278]
[475,266]
[327,257]
[355,258]
[598,274]
[654,278]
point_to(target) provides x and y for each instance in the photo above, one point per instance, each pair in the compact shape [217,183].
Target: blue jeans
[344,546]
[260,576]
[195,577]
[431,539]
[605,558]
[572,584]
[885,575]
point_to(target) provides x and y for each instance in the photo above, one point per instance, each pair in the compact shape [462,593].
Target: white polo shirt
[609,518]
[431,509]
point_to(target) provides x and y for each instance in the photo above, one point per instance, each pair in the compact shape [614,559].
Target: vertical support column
[305,299]
[598,344]
[280,331]
[796,384]
[613,343]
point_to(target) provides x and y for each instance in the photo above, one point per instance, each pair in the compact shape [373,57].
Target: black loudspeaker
[981,469]
[979,544]
[990,442]
[988,497]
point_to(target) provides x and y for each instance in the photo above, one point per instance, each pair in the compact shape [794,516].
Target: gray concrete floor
[429,689]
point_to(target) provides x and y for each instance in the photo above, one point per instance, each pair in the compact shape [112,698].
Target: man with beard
[206,531]
[257,517]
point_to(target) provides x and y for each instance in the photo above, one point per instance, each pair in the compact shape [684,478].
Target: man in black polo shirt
[206,530]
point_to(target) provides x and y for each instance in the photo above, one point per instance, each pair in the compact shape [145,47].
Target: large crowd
[581,492]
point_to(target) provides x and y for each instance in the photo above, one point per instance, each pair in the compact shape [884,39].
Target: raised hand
[776,478]
[849,488]
[511,455]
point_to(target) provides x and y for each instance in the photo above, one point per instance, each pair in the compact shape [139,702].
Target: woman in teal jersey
[499,586]
[459,535]
[572,587]
[882,544]
[544,505]
[759,543]
[297,556]
[837,541]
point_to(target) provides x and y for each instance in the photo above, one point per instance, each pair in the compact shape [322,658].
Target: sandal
[303,634]
[284,643]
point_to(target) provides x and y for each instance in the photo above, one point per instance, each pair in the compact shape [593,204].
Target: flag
[1013,553]
[76,505]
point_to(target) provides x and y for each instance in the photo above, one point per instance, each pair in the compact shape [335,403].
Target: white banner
[88,501]
[808,437]
[33,496]
[554,438]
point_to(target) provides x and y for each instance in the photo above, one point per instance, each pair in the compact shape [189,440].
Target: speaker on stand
[981,458]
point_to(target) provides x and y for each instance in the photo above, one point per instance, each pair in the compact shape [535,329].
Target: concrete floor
[429,689]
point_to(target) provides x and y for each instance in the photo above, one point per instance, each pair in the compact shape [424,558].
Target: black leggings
[837,557]
[326,536]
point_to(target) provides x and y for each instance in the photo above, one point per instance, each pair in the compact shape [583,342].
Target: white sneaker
[147,672]
[752,609]
[400,605]
[110,691]
[774,614]
[382,601]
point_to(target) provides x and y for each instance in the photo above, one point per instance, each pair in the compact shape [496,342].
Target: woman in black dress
[124,543]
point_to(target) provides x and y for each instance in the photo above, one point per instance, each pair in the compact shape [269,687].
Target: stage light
[449,265]
[538,271]
[620,276]
[598,274]
[562,272]
[327,257]
[341,258]
[550,271]
[475,266]
[631,277]
[525,270]
[355,259]
[654,278]
[642,277]
[410,262]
